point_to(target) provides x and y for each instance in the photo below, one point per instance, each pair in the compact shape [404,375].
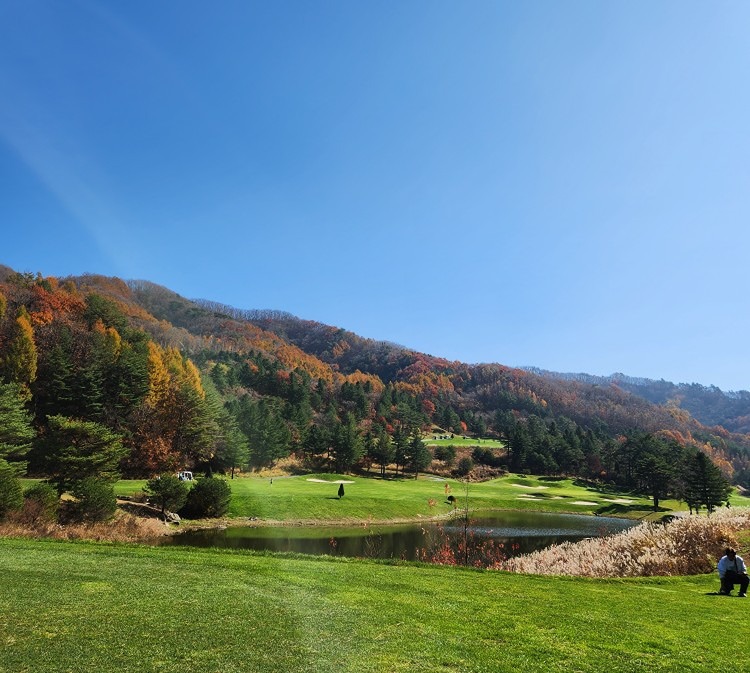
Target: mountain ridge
[708,403]
[311,376]
[619,377]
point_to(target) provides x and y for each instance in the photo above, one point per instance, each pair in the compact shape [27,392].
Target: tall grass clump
[123,528]
[685,546]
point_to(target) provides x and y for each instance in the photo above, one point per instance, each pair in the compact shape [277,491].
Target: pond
[517,532]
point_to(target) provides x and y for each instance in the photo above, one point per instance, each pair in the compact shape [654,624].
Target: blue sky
[557,184]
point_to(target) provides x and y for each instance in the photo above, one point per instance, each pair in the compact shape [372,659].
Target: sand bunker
[324,481]
[583,502]
[524,486]
[619,501]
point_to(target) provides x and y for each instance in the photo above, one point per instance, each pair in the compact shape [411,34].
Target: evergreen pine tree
[267,434]
[76,450]
[16,431]
[704,484]
[232,450]
[400,447]
[347,446]
[420,456]
[383,451]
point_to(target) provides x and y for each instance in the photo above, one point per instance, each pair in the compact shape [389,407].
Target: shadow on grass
[619,508]
[599,487]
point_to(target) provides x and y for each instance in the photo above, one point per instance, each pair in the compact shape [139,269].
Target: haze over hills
[708,404]
[315,383]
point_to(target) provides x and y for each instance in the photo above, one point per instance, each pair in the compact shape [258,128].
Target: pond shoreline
[254,522]
[499,532]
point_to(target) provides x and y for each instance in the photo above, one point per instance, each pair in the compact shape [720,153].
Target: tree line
[95,383]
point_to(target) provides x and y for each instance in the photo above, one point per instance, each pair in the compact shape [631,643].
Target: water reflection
[517,532]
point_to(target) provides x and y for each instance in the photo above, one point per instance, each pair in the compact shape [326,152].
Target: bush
[41,503]
[208,498]
[446,453]
[486,456]
[167,492]
[465,465]
[95,498]
[11,493]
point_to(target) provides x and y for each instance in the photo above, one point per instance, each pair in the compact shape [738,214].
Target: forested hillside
[708,404]
[195,384]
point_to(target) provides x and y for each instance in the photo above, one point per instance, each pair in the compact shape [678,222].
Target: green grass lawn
[75,607]
[300,498]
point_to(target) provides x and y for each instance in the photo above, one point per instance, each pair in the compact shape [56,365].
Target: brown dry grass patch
[123,527]
[688,545]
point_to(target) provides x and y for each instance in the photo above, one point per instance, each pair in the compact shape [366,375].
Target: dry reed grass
[123,528]
[688,545]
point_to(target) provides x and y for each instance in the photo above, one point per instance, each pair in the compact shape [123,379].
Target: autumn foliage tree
[136,359]
[19,362]
[175,426]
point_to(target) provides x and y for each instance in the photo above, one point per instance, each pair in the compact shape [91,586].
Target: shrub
[208,498]
[167,492]
[41,503]
[11,493]
[465,465]
[485,456]
[95,500]
[446,453]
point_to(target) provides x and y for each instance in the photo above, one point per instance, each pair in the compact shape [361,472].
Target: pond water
[517,532]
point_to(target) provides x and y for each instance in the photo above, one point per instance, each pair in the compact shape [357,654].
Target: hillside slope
[172,374]
[708,404]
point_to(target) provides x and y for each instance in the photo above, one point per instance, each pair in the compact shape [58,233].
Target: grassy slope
[298,499]
[87,607]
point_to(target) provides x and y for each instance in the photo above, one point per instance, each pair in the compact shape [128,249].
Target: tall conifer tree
[704,484]
[78,450]
[16,431]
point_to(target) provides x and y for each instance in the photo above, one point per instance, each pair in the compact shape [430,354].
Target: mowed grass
[313,498]
[70,607]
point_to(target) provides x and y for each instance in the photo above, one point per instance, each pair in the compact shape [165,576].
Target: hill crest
[313,375]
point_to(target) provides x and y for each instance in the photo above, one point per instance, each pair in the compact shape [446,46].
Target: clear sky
[557,184]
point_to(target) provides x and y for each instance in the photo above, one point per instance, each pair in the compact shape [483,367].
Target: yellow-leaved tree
[177,427]
[19,364]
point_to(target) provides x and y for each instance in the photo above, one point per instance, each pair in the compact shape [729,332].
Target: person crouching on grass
[732,570]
